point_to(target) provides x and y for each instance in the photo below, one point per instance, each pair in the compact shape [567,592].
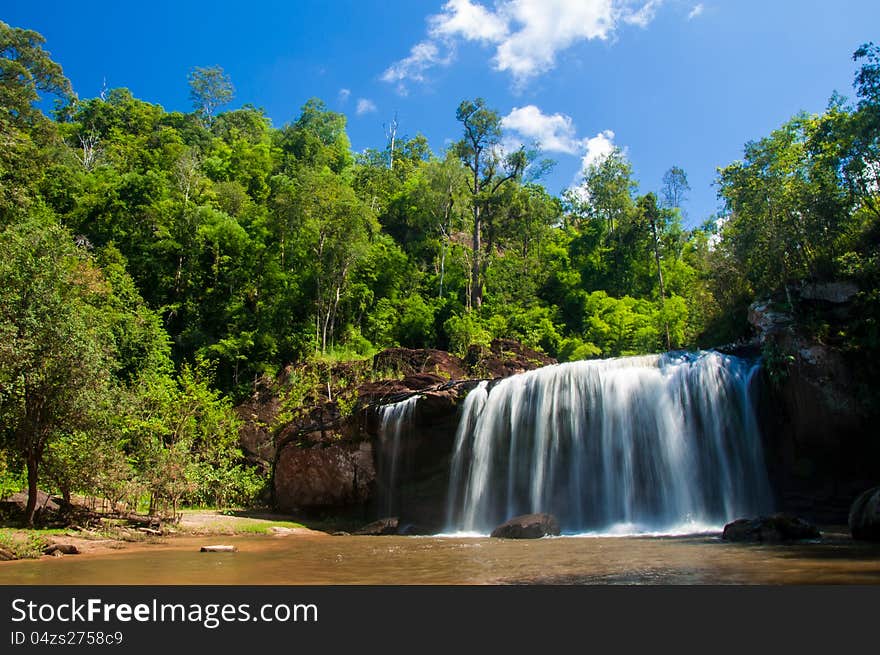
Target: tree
[26,71]
[480,151]
[209,88]
[603,207]
[56,348]
[675,188]
[651,213]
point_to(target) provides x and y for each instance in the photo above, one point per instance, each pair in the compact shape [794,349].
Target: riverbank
[113,535]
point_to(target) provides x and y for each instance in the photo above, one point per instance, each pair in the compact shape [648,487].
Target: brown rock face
[323,477]
[528,526]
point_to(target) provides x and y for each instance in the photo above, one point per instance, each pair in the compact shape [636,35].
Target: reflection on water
[457,560]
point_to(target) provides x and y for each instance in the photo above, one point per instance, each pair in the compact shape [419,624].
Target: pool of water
[698,559]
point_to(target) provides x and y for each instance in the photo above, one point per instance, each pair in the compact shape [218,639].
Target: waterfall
[395,420]
[662,443]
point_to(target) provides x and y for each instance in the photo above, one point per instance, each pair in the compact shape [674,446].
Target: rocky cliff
[326,455]
[819,411]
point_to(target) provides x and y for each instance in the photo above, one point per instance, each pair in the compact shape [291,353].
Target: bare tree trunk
[660,279]
[32,473]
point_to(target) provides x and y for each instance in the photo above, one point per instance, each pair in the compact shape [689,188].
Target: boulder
[386,526]
[770,529]
[61,549]
[45,502]
[528,526]
[864,516]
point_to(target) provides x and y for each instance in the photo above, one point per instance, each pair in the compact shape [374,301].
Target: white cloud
[365,106]
[527,34]
[421,57]
[597,148]
[696,11]
[643,16]
[554,133]
[473,22]
[344,95]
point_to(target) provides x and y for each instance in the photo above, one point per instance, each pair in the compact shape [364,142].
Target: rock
[503,358]
[386,526]
[766,320]
[6,555]
[218,549]
[770,529]
[864,516]
[323,477]
[409,362]
[61,549]
[528,526]
[45,502]
[833,292]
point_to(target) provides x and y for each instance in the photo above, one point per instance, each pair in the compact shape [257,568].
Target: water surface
[703,559]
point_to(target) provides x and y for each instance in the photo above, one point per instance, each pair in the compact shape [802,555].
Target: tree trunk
[32,472]
[476,264]
[660,279]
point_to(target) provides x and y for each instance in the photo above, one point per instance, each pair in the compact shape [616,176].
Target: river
[324,560]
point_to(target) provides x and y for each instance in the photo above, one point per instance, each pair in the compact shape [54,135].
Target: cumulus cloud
[554,133]
[527,35]
[365,106]
[696,11]
[344,95]
[597,148]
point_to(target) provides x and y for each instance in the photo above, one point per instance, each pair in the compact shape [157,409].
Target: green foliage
[465,331]
[155,264]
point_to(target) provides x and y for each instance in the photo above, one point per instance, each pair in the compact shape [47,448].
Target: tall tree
[26,71]
[675,187]
[490,169]
[651,213]
[209,89]
[56,350]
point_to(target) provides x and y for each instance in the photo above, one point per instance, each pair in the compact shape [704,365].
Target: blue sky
[673,82]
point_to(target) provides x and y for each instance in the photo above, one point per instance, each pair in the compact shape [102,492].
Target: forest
[155,265]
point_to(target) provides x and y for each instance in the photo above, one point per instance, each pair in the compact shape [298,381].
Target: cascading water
[395,420]
[664,443]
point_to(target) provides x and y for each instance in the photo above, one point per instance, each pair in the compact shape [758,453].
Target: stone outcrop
[770,529]
[864,516]
[528,526]
[323,477]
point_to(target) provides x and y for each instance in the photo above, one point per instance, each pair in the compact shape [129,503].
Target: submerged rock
[528,526]
[864,516]
[386,526]
[770,529]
